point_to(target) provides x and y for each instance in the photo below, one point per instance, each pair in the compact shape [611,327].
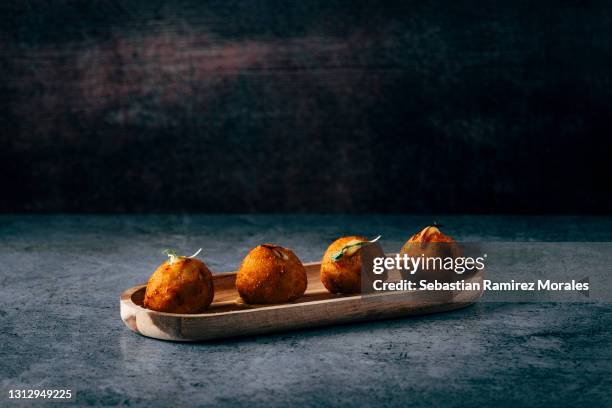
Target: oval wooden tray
[229,316]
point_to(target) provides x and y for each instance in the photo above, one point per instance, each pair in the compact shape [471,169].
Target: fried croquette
[344,264]
[271,274]
[180,285]
[430,242]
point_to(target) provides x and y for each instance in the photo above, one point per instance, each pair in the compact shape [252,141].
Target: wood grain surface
[230,316]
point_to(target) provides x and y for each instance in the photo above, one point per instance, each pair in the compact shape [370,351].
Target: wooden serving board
[229,316]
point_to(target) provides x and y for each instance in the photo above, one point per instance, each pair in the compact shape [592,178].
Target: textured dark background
[313,106]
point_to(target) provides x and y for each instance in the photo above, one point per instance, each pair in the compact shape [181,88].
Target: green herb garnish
[277,252]
[171,253]
[338,255]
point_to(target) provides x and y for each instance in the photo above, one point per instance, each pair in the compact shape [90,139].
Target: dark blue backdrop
[313,106]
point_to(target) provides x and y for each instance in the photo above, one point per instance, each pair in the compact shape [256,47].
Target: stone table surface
[61,277]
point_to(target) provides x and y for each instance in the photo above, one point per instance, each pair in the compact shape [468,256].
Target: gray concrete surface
[61,277]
